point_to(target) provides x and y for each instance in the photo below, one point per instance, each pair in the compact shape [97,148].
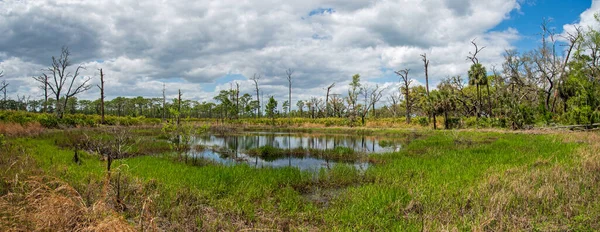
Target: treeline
[556,83]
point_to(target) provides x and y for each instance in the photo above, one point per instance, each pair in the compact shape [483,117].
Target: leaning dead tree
[406,89]
[255,78]
[62,82]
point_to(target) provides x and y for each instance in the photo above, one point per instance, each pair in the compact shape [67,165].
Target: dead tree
[255,79]
[63,80]
[394,99]
[289,73]
[431,112]
[3,86]
[376,95]
[327,109]
[365,90]
[573,39]
[101,87]
[406,88]
[43,80]
[475,79]
[473,55]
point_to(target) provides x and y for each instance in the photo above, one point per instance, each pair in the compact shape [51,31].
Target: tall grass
[441,181]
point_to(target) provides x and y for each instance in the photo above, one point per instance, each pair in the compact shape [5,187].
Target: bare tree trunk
[289,73]
[431,113]
[327,99]
[255,79]
[404,76]
[101,96]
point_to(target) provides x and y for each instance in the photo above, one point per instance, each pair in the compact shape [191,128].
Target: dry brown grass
[43,203]
[15,129]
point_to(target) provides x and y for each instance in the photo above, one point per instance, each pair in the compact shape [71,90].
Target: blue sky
[528,20]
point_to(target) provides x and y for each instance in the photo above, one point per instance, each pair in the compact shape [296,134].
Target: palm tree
[443,101]
[478,77]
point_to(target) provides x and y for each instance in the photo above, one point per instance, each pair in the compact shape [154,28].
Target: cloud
[586,19]
[192,45]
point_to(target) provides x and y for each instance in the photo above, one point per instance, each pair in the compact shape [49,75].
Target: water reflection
[230,149]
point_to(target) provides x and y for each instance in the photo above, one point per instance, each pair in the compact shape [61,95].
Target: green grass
[337,154]
[435,181]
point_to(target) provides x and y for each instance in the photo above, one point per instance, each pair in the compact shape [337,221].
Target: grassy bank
[443,180]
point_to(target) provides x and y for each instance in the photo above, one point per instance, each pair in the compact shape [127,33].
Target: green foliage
[423,121]
[270,109]
[71,120]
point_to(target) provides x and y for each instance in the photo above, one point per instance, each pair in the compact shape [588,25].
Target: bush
[70,120]
[453,123]
[48,121]
[423,121]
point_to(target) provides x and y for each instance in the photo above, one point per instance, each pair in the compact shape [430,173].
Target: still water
[231,149]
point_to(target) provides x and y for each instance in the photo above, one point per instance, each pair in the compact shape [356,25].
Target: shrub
[423,121]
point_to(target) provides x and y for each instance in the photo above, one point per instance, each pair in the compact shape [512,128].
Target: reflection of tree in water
[248,141]
[271,140]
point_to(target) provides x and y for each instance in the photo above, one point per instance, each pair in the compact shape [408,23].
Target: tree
[226,104]
[270,108]
[582,84]
[63,80]
[371,96]
[405,88]
[327,108]
[289,73]
[426,64]
[376,95]
[286,107]
[3,86]
[255,80]
[476,74]
[179,107]
[478,77]
[549,65]
[43,80]
[353,93]
[164,102]
[101,87]
[300,105]
[443,100]
[237,99]
[394,99]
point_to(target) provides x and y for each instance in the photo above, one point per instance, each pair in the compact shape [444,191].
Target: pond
[281,149]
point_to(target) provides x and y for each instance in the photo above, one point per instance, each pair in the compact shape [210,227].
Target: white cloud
[190,45]
[586,19]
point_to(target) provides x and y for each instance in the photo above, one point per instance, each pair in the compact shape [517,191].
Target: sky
[202,47]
